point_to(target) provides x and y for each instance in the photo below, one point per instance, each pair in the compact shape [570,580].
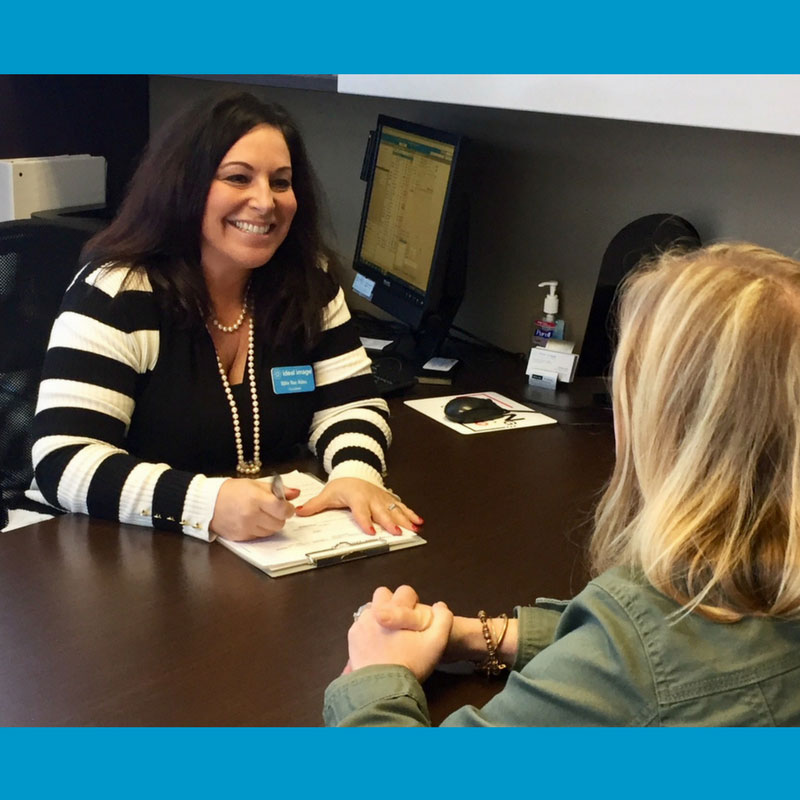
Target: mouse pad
[433,407]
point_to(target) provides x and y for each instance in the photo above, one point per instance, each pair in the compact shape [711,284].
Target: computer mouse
[472,409]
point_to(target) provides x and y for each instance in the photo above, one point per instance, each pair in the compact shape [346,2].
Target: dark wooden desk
[106,624]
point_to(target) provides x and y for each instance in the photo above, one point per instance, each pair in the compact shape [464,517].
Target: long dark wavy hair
[158,227]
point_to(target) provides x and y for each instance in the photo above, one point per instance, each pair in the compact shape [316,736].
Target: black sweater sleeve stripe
[361,387]
[49,470]
[351,425]
[168,499]
[81,422]
[66,363]
[354,453]
[128,311]
[105,488]
[336,341]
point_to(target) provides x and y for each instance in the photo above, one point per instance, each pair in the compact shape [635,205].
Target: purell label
[544,329]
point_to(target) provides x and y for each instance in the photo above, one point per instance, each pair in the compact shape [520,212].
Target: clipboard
[325,539]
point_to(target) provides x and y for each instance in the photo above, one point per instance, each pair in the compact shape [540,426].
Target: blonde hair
[705,495]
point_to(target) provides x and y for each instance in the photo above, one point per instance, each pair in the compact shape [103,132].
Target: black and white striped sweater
[132,422]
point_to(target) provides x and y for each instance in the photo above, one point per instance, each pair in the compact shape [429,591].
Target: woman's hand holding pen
[369,503]
[248,509]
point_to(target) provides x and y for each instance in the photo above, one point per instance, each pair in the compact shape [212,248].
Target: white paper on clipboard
[330,537]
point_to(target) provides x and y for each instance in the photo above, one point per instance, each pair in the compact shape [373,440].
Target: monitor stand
[399,365]
[392,374]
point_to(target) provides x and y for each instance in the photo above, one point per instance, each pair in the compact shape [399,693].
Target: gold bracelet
[499,641]
[492,666]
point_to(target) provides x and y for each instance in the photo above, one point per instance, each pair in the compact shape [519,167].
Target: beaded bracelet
[492,666]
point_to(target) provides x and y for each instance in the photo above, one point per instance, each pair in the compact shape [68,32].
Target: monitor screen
[405,250]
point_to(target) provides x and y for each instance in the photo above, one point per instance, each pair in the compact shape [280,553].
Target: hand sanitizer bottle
[548,327]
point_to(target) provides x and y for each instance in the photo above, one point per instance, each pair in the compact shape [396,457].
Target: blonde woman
[693,617]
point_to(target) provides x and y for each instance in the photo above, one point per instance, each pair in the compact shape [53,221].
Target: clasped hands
[395,628]
[247,509]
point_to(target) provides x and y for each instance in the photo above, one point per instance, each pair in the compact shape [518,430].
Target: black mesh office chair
[38,259]
[644,237]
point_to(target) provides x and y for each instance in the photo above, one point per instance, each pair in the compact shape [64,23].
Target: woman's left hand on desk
[369,503]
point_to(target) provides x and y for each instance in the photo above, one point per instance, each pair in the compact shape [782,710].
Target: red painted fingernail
[297,508]
[371,529]
[415,528]
[397,529]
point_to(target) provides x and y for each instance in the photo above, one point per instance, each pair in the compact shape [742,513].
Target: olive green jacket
[612,656]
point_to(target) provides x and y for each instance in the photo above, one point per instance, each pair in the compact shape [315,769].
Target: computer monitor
[410,256]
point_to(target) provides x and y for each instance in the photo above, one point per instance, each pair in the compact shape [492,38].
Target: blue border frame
[525,37]
[510,37]
[306,763]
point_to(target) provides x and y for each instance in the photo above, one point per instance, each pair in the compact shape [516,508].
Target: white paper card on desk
[19,518]
[440,364]
[375,344]
[330,537]
[433,407]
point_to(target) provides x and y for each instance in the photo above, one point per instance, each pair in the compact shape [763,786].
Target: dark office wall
[102,115]
[549,191]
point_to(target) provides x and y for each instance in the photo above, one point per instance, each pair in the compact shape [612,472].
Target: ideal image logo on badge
[291,380]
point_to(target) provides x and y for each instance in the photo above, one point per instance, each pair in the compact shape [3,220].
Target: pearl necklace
[244,468]
[238,324]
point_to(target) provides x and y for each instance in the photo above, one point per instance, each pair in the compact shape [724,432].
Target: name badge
[291,380]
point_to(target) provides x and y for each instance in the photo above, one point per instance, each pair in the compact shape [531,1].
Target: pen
[277,486]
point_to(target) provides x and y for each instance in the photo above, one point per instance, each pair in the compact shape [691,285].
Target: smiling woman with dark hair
[205,331]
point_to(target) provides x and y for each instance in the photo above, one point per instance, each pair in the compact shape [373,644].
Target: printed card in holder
[330,537]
